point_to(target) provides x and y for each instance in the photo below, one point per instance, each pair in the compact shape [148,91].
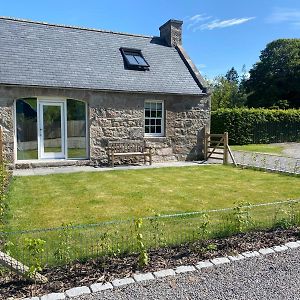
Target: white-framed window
[154,118]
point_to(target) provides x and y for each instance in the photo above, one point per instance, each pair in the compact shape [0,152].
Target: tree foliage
[274,80]
[232,76]
[227,91]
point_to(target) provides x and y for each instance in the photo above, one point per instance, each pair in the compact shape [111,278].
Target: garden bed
[106,269]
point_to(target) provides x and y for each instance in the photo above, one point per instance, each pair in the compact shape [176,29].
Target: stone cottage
[65,92]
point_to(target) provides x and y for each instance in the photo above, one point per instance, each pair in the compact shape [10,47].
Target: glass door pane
[26,128]
[76,129]
[52,130]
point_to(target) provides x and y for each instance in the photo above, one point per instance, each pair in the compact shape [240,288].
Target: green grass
[261,148]
[49,201]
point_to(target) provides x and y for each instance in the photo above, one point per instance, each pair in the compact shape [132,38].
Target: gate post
[205,143]
[225,155]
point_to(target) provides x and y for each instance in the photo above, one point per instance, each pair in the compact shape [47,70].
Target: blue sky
[217,34]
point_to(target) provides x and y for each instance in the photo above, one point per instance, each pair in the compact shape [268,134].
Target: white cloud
[194,20]
[285,15]
[200,22]
[222,23]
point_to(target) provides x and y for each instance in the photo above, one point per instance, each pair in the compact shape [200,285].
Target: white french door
[52,133]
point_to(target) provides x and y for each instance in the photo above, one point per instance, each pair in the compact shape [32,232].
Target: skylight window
[134,59]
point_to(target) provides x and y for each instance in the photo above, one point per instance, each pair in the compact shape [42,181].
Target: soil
[107,269]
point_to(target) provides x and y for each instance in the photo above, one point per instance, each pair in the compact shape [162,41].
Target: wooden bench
[128,148]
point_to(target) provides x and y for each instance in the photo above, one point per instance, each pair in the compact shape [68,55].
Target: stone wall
[114,116]
[118,116]
[6,122]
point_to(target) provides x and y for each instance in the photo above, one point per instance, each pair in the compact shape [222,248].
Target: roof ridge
[72,27]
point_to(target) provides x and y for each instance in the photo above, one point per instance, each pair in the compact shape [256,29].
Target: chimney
[171,32]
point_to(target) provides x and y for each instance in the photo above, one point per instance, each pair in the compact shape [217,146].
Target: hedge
[257,126]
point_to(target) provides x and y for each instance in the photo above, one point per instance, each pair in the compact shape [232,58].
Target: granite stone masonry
[6,122]
[116,116]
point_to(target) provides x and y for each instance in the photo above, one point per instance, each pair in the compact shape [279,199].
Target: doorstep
[49,163]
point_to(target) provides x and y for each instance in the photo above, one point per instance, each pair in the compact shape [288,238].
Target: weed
[254,158]
[276,165]
[286,217]
[143,255]
[203,230]
[158,227]
[264,162]
[241,218]
[203,247]
[103,245]
[116,250]
[8,247]
[35,248]
[63,253]
[211,247]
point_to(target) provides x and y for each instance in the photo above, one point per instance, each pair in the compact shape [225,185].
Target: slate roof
[39,54]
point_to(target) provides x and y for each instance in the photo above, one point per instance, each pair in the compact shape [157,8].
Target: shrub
[259,126]
[35,248]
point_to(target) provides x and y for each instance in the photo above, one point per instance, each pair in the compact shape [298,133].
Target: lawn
[51,200]
[261,148]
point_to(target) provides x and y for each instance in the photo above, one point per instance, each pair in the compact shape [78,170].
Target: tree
[227,92]
[232,76]
[274,80]
[222,93]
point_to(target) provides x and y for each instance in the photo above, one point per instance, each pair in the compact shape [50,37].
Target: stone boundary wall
[115,116]
[6,121]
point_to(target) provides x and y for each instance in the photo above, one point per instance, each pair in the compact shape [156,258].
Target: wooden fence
[216,147]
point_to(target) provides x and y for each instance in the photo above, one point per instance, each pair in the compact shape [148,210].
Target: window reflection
[26,115]
[76,111]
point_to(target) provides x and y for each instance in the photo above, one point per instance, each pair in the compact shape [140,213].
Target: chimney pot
[171,32]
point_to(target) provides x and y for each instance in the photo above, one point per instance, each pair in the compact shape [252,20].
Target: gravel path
[289,162]
[274,276]
[291,149]
[268,161]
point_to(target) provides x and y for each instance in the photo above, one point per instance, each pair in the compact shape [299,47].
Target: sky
[217,34]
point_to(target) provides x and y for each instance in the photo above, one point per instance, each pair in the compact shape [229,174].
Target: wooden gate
[216,147]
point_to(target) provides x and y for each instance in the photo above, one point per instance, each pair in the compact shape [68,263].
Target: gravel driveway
[289,162]
[291,149]
[274,276]
[267,161]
